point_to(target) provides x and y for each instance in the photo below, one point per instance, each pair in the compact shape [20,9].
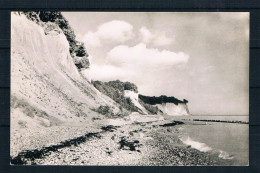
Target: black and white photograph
[129,88]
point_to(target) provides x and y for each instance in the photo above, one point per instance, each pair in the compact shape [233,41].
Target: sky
[202,57]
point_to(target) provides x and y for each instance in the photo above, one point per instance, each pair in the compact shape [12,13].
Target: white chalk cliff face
[134,98]
[50,84]
[47,88]
[172,109]
[165,108]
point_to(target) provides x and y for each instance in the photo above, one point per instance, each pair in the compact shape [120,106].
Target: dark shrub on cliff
[118,85]
[130,86]
[104,110]
[81,51]
[32,15]
[150,108]
[121,86]
[107,111]
[185,101]
[161,99]
[49,16]
[76,48]
[115,90]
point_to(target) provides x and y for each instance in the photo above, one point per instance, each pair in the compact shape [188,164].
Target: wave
[197,145]
[225,155]
[204,147]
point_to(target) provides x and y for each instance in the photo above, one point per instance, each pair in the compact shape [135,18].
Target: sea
[229,140]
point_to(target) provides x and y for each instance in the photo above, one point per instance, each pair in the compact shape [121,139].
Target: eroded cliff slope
[126,94]
[166,105]
[49,80]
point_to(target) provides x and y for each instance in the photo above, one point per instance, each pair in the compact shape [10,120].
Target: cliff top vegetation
[76,48]
[161,99]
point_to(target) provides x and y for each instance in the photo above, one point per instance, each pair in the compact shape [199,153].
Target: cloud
[162,40]
[138,64]
[110,72]
[116,30]
[141,55]
[91,39]
[157,38]
[145,34]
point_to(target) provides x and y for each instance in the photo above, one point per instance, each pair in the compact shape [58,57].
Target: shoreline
[137,144]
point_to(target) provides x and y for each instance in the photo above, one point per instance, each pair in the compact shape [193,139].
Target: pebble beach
[137,144]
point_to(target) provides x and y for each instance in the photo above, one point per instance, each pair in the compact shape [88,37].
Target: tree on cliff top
[76,48]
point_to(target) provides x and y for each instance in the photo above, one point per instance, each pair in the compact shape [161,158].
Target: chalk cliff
[134,99]
[49,85]
[126,94]
[173,109]
[165,105]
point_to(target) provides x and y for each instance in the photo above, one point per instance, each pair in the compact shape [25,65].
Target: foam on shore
[224,155]
[204,147]
[197,145]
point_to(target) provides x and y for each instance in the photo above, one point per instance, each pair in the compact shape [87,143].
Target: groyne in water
[220,121]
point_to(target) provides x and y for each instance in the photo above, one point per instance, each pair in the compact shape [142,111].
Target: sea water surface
[218,117]
[228,140]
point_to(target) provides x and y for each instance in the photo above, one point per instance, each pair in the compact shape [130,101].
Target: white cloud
[162,40]
[109,72]
[141,55]
[79,36]
[116,30]
[91,39]
[145,34]
[157,38]
[138,64]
